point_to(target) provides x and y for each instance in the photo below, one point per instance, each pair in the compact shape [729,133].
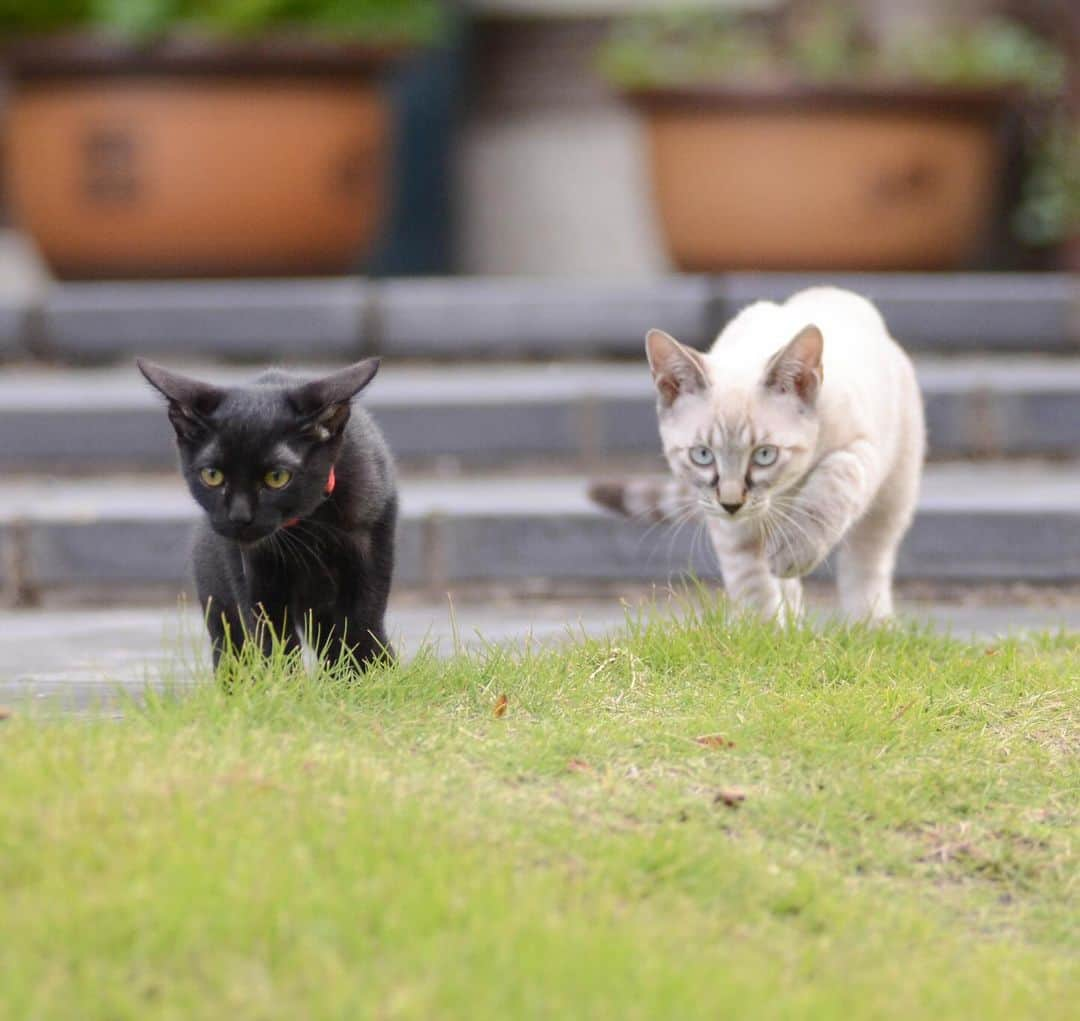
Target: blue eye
[765,456]
[701,456]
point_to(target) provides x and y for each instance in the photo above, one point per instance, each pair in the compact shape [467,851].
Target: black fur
[293,561]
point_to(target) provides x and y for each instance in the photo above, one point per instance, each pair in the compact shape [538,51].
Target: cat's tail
[643,499]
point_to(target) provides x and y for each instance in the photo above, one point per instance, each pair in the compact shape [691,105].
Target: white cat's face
[739,446]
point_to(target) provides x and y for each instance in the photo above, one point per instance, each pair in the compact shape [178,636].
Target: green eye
[212,477]
[278,478]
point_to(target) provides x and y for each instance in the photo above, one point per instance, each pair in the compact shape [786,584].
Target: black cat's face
[257,457]
[256,467]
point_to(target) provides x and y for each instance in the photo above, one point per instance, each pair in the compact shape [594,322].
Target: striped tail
[642,499]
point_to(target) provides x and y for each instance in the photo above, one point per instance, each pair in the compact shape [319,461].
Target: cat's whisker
[795,507]
[683,513]
[783,519]
[287,545]
[306,547]
[665,518]
[688,515]
[700,535]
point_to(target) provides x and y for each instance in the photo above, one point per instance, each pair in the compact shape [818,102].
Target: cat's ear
[324,403]
[190,400]
[797,367]
[676,369]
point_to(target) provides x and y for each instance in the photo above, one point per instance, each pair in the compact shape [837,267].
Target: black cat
[298,489]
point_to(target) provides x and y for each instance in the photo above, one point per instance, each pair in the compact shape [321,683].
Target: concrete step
[502,317]
[993,522]
[577,414]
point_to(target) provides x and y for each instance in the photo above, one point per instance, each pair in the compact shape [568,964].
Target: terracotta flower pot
[194,160]
[801,179]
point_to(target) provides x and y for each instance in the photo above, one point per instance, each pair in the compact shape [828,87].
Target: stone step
[502,317]
[997,522]
[576,414]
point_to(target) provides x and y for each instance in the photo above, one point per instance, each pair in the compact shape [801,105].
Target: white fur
[851,452]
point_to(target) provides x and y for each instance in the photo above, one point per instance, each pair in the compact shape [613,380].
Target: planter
[813,179]
[1070,255]
[196,159]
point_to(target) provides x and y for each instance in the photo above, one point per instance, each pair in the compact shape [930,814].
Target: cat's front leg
[269,621]
[272,628]
[219,584]
[225,626]
[804,528]
[339,635]
[748,581]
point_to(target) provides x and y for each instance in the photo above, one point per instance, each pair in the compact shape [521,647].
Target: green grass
[306,848]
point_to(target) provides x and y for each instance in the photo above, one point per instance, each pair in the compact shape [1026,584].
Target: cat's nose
[241,512]
[731,508]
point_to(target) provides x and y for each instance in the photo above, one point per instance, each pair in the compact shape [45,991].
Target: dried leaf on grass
[502,703]
[714,741]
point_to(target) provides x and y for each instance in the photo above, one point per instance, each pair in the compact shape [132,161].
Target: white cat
[802,428]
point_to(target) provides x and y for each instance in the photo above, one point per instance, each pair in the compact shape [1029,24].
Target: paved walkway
[81,659]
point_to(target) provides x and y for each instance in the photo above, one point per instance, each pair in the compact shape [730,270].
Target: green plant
[686,47]
[990,52]
[1050,210]
[384,20]
[827,44]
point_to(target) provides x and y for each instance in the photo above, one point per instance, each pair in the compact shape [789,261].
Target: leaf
[502,703]
[731,797]
[714,741]
[578,766]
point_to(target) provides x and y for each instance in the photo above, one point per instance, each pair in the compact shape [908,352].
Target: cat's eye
[277,478]
[701,456]
[765,456]
[212,477]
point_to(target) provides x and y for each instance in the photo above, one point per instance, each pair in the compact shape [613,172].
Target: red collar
[331,483]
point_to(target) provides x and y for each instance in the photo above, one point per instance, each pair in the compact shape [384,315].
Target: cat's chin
[244,535]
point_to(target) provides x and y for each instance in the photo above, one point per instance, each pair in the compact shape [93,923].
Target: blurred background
[601,137]
[501,197]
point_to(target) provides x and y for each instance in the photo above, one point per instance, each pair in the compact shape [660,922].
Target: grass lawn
[693,819]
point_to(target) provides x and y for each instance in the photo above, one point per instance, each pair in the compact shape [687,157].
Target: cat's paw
[794,559]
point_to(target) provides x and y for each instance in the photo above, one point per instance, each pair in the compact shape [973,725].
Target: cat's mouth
[748,511]
[246,535]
